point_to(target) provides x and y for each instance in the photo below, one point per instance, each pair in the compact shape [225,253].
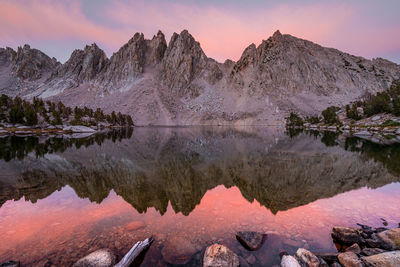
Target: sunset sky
[224,28]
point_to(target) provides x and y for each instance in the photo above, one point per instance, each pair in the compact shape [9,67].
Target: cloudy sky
[368,28]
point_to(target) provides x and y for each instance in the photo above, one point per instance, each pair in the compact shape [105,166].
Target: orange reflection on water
[63,227]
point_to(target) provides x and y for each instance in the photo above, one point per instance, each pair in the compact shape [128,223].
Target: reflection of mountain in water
[158,165]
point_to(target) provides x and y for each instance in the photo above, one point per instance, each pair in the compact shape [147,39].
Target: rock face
[251,240]
[306,258]
[218,255]
[346,235]
[387,259]
[289,261]
[177,84]
[349,259]
[99,258]
[390,239]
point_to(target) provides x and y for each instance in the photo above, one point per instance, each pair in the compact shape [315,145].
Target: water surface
[62,198]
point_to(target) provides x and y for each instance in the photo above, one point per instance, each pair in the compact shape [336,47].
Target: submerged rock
[218,255]
[178,250]
[349,259]
[307,258]
[289,261]
[251,240]
[99,258]
[346,235]
[391,258]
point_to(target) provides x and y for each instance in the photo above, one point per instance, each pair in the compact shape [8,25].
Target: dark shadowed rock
[10,264]
[307,258]
[218,255]
[251,240]
[336,264]
[355,248]
[372,251]
[346,235]
[387,259]
[99,258]
[349,259]
[328,257]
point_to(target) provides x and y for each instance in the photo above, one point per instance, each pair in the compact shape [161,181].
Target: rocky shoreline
[58,129]
[362,246]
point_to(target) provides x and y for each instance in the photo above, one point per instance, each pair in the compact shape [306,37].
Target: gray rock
[306,257]
[375,118]
[99,258]
[355,248]
[387,259]
[218,255]
[10,264]
[372,251]
[363,133]
[349,259]
[251,240]
[390,239]
[289,261]
[346,235]
[79,129]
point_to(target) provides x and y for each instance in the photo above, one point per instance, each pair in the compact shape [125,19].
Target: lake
[64,197]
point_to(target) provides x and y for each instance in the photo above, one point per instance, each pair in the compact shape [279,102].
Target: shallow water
[63,198]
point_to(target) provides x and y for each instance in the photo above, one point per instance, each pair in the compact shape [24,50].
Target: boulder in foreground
[218,255]
[99,258]
[387,259]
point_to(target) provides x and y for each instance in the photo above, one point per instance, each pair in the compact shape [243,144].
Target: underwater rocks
[251,240]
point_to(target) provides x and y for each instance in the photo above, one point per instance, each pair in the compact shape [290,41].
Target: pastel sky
[367,28]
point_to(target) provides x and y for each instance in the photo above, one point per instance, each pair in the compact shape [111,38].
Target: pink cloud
[222,33]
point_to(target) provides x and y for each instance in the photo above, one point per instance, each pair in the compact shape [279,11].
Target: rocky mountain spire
[32,64]
[84,65]
[184,61]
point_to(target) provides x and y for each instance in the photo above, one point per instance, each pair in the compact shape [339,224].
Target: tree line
[17,110]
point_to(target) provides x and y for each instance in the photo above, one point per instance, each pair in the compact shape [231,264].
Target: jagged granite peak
[127,65]
[83,65]
[184,61]
[177,84]
[32,64]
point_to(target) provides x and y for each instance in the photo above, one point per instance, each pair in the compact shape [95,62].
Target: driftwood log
[135,251]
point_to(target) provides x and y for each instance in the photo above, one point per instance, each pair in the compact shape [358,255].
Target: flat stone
[99,258]
[390,239]
[387,259]
[251,240]
[375,118]
[355,248]
[306,257]
[132,226]
[346,235]
[79,129]
[178,250]
[10,264]
[289,261]
[372,251]
[363,133]
[349,259]
[218,255]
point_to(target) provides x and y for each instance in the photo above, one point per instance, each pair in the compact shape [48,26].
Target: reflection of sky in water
[64,220]
[295,189]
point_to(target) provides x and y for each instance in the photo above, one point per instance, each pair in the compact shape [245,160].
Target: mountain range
[175,83]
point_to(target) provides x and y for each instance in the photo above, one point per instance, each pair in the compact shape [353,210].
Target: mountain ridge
[177,84]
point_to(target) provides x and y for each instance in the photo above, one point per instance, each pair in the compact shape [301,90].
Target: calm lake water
[62,198]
